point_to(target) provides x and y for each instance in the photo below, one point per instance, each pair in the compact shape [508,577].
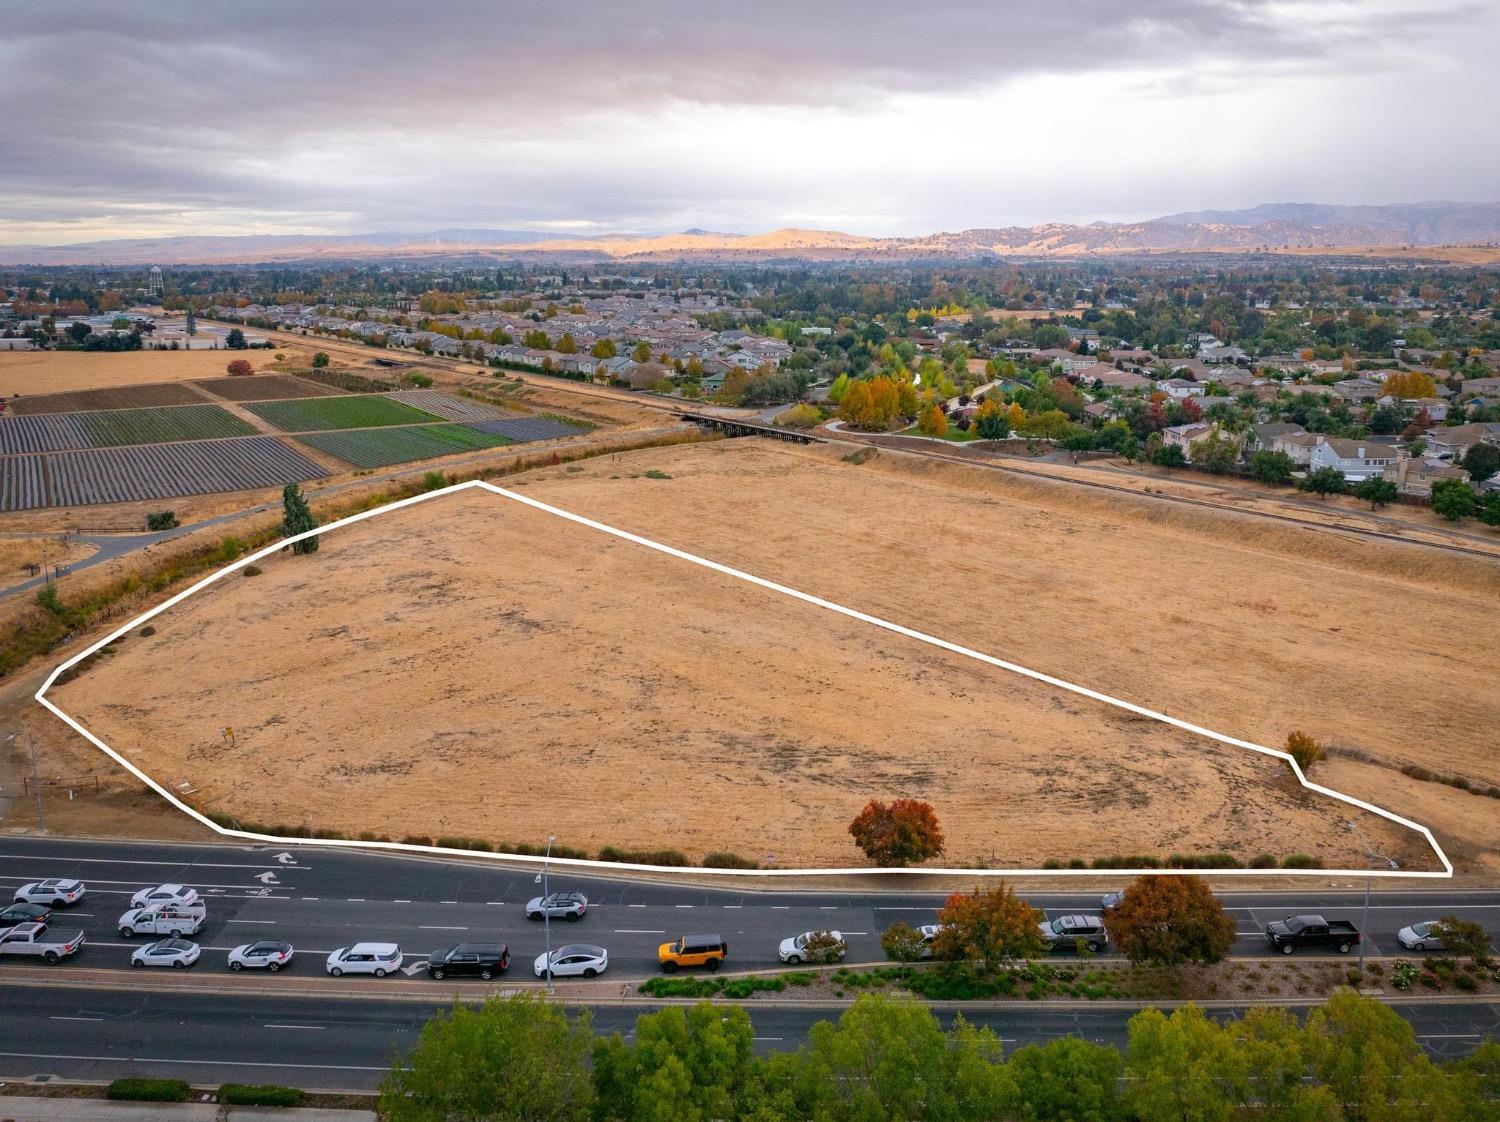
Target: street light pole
[41,815]
[1370,857]
[547,912]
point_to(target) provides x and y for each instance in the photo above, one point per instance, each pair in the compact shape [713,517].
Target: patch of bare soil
[46,372]
[470,666]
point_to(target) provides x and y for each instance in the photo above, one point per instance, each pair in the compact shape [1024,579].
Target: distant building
[155,286]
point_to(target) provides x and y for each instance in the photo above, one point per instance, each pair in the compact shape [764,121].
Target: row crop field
[451,408]
[119,397]
[119,475]
[22,485]
[380,447]
[263,387]
[55,432]
[521,429]
[352,412]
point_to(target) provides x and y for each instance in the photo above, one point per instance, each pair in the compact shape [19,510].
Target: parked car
[1112,899]
[576,960]
[176,953]
[24,913]
[379,959]
[1286,935]
[558,905]
[268,954]
[1064,932]
[813,946]
[164,894]
[40,941]
[693,950]
[56,892]
[167,919]
[470,960]
[1421,937]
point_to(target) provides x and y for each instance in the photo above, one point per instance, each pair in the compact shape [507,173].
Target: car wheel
[380,973]
[438,974]
[52,958]
[136,962]
[590,972]
[1419,946]
[533,915]
[1096,947]
[714,963]
[273,966]
[572,917]
[336,972]
[794,959]
[1343,948]
[179,965]
[485,975]
[669,967]
[236,966]
[126,932]
[1286,948]
[176,933]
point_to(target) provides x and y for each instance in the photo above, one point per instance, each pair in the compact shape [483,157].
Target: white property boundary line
[816,601]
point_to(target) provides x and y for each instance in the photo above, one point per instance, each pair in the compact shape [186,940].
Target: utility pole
[41,814]
[547,911]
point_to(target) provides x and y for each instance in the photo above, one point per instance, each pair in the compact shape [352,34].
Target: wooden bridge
[731,427]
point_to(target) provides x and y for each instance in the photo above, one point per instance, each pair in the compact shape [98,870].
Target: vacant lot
[436,670]
[37,372]
[349,412]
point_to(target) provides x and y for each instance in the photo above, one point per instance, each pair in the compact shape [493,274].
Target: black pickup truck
[1287,935]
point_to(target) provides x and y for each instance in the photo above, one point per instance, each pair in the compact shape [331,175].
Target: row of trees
[890,1060]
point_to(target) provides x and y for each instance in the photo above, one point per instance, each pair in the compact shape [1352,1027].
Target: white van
[379,959]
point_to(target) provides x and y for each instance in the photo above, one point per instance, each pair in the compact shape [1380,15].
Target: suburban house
[1179,389]
[1107,375]
[1071,362]
[1452,443]
[1355,460]
[1183,436]
[1298,446]
[1416,477]
[1265,436]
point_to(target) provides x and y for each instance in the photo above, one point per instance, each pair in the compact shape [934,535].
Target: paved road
[347,1045]
[320,900]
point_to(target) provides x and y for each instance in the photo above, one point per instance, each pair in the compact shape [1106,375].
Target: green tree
[1065,1080]
[1377,491]
[1489,514]
[901,832]
[1271,467]
[932,422]
[296,518]
[1273,1048]
[1168,456]
[605,348]
[839,388]
[516,1057]
[684,1065]
[1182,1068]
[78,332]
[901,942]
[566,345]
[1481,461]
[235,340]
[992,926]
[320,360]
[1216,453]
[991,421]
[1453,499]
[1465,937]
[1324,481]
[1171,920]
[1369,1059]
[642,352]
[888,1060]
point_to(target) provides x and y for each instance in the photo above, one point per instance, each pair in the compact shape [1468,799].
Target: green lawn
[313,414]
[953,435]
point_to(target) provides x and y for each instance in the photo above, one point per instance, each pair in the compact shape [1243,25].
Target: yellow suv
[693,950]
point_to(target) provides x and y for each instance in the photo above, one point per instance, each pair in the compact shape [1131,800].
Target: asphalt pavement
[93,1017]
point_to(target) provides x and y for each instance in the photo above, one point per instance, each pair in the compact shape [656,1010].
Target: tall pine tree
[296,518]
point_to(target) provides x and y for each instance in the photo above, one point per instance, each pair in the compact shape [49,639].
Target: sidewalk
[18,1108]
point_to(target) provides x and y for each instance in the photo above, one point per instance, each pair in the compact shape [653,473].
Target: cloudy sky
[134,119]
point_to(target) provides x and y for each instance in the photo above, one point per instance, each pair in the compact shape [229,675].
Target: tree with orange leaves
[989,925]
[1171,920]
[902,832]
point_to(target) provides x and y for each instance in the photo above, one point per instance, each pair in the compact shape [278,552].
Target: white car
[176,953]
[379,959]
[56,892]
[1421,937]
[165,920]
[268,954]
[574,961]
[813,946]
[929,933]
[164,894]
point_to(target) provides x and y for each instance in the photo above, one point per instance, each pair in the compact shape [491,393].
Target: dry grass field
[471,666]
[36,372]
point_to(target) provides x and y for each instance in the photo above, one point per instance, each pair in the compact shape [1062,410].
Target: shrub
[722,860]
[162,520]
[47,598]
[1403,973]
[1354,977]
[418,379]
[150,1090]
[147,631]
[239,368]
[320,360]
[1264,861]
[1301,861]
[800,416]
[902,832]
[244,1094]
[416,839]
[1466,983]
[433,481]
[642,856]
[901,943]
[253,570]
[1304,749]
[655,474]
[1203,861]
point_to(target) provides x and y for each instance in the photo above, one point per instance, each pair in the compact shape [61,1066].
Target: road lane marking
[734,905]
[1448,1036]
[309,897]
[682,905]
[400,901]
[447,901]
[494,903]
[629,905]
[355,900]
[310,1028]
[125,861]
[271,922]
[636,931]
[166,1060]
[75,1018]
[439,927]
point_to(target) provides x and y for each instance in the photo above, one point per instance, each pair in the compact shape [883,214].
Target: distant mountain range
[1272,227]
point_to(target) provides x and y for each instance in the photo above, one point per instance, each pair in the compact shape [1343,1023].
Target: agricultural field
[54,432]
[451,408]
[522,429]
[264,387]
[46,372]
[729,716]
[368,448]
[161,471]
[22,484]
[349,412]
[126,397]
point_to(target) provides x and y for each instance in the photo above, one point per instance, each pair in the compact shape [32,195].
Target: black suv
[24,913]
[470,960]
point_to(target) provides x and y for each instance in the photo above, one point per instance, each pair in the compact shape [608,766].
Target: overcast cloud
[128,119]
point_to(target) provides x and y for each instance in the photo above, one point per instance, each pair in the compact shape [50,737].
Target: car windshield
[1422,928]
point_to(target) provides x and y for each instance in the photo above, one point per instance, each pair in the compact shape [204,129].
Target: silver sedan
[576,960]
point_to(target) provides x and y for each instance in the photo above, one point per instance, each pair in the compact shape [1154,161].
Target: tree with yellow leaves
[1410,384]
[932,422]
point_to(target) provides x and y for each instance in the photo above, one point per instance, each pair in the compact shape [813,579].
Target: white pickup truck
[167,919]
[41,941]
